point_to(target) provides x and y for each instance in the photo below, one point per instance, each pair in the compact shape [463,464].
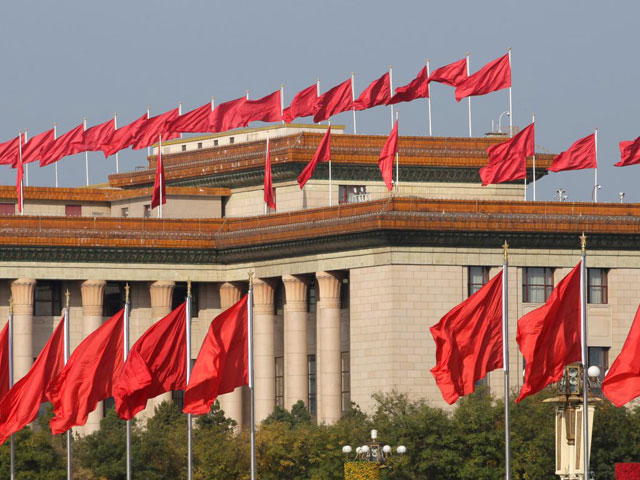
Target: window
[311,362]
[599,356]
[353,194]
[215,143]
[147,211]
[478,276]
[232,140]
[47,298]
[312,297]
[344,294]
[7,209]
[597,286]
[73,210]
[199,145]
[345,368]
[177,396]
[108,404]
[180,295]
[114,297]
[124,212]
[184,148]
[280,381]
[537,284]
[279,299]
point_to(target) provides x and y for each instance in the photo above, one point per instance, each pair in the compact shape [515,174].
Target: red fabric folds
[549,336]
[269,194]
[265,109]
[156,364]
[323,154]
[387,155]
[223,362]
[4,361]
[580,155]
[88,376]
[493,76]
[31,150]
[416,88]
[227,116]
[9,152]
[453,74]
[469,342]
[69,143]
[377,93]
[195,121]
[622,383]
[629,153]
[20,405]
[159,185]
[302,104]
[508,160]
[94,138]
[123,137]
[338,99]
[151,128]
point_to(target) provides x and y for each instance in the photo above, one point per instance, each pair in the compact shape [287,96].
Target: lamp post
[370,457]
[500,120]
[594,193]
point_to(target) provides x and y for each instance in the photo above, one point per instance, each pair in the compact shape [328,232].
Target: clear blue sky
[574,64]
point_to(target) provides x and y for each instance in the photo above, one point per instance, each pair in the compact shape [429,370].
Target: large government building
[349,279]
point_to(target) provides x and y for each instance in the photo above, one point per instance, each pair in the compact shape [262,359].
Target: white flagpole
[148,117]
[247,94]
[533,120]
[282,101]
[125,341]
[55,135]
[469,97]
[115,127]
[266,153]
[67,352]
[21,199]
[161,173]
[429,97]
[213,103]
[180,113]
[12,467]
[330,184]
[595,187]
[353,98]
[318,92]
[26,167]
[397,165]
[391,91]
[505,361]
[189,418]
[86,154]
[251,382]
[510,103]
[585,367]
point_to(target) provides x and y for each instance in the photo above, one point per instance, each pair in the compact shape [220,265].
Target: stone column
[161,296]
[328,352]
[264,365]
[296,382]
[231,403]
[92,296]
[22,291]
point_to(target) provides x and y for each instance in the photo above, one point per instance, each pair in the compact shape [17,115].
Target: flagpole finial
[468,53]
[127,290]
[505,247]
[282,85]
[67,295]
[583,242]
[509,49]
[251,276]
[213,98]
[11,304]
[427,60]
[188,287]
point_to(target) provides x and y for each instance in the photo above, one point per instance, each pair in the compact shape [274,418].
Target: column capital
[161,297]
[329,284]
[92,297]
[230,293]
[263,295]
[22,290]
[295,287]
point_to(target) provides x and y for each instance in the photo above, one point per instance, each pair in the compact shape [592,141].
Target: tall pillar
[22,291]
[231,403]
[92,296]
[296,383]
[328,351]
[264,365]
[161,298]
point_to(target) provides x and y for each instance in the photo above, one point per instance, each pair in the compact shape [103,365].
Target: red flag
[265,109]
[31,150]
[387,155]
[622,382]
[493,76]
[156,364]
[159,185]
[94,138]
[69,143]
[508,160]
[8,152]
[195,121]
[153,127]
[549,336]
[377,93]
[226,116]
[302,104]
[416,88]
[4,361]
[223,361]
[629,153]
[338,99]
[580,155]
[123,137]
[453,74]
[323,154]
[88,376]
[19,175]
[20,405]
[269,195]
[469,342]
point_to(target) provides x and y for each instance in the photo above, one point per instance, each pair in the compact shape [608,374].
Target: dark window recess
[311,297]
[7,208]
[47,298]
[280,381]
[147,211]
[124,212]
[215,143]
[311,362]
[184,148]
[199,145]
[73,210]
[352,194]
[232,140]
[597,286]
[108,404]
[114,297]
[279,298]
[599,356]
[478,277]
[345,361]
[344,294]
[537,284]
[180,295]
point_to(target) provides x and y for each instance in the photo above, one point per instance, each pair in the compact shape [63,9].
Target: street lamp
[500,120]
[370,453]
[621,197]
[594,194]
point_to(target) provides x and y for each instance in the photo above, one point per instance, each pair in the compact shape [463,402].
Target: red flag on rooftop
[69,143]
[493,76]
[88,376]
[453,74]
[416,88]
[580,155]
[227,116]
[9,152]
[549,336]
[156,364]
[323,154]
[302,104]
[159,185]
[223,361]
[195,121]
[269,194]
[387,155]
[377,93]
[151,128]
[508,160]
[20,405]
[4,361]
[31,150]
[94,138]
[265,109]
[469,342]
[123,137]
[622,382]
[629,153]
[338,99]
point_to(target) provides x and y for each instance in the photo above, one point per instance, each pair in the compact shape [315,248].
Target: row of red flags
[96,370]
[469,343]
